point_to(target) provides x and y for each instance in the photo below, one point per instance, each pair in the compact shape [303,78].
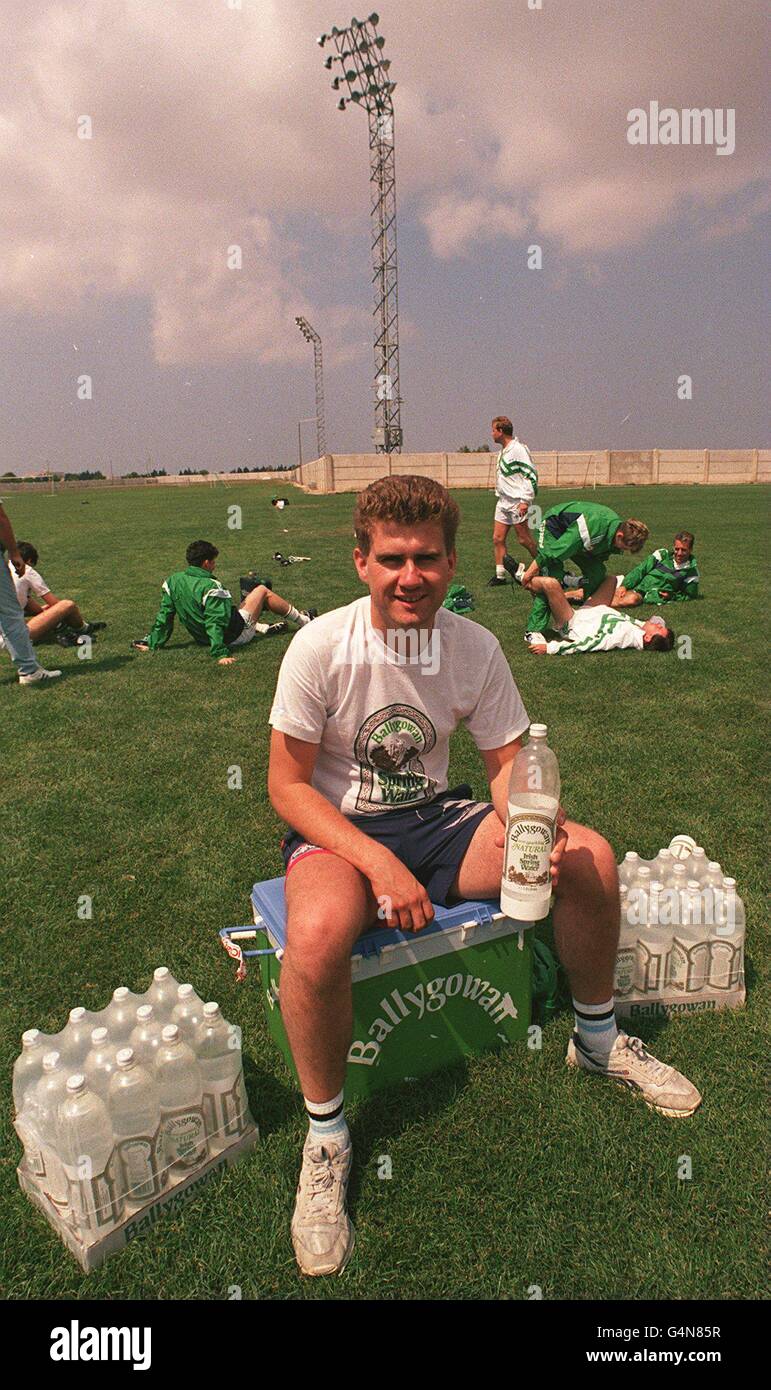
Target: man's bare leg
[526,538]
[626,598]
[500,532]
[604,593]
[551,589]
[586,909]
[329,904]
[65,611]
[261,597]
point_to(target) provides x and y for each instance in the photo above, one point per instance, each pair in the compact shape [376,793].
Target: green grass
[509,1171]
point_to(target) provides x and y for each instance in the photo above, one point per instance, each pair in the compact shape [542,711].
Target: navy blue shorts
[430,840]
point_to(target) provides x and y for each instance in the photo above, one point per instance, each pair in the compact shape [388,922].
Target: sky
[213,125]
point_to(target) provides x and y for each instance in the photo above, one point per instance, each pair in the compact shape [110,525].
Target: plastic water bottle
[74,1042]
[146,1036]
[88,1153]
[534,792]
[100,1062]
[225,1106]
[134,1105]
[44,1101]
[689,959]
[187,1012]
[120,1016]
[661,868]
[181,1093]
[678,884]
[162,993]
[653,946]
[714,878]
[698,865]
[628,867]
[727,944]
[28,1066]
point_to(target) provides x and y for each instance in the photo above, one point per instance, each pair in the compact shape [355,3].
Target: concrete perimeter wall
[579,469]
[8,485]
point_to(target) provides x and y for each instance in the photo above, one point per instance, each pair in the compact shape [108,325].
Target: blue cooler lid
[270,904]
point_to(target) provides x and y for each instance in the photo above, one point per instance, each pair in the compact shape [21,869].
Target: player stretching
[358,769]
[516,486]
[585,533]
[595,627]
[667,576]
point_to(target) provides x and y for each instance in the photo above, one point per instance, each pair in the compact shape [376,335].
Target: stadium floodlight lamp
[328,62]
[341,104]
[334,31]
[374,18]
[363,46]
[356,96]
[351,75]
[373,89]
[368,68]
[356,24]
[390,87]
[385,64]
[335,84]
[380,41]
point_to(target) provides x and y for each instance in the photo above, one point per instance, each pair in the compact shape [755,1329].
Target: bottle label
[688,966]
[184,1136]
[529,842]
[139,1161]
[625,967]
[56,1186]
[724,965]
[225,1107]
[95,1201]
[33,1153]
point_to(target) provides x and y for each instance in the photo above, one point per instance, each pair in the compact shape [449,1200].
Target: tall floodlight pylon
[311,336]
[365,73]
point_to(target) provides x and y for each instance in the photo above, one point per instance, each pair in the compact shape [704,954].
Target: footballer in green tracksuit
[585,534]
[205,607]
[667,576]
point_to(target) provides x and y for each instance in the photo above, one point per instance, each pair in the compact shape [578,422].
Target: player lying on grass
[667,576]
[584,533]
[197,598]
[595,627]
[358,769]
[516,486]
[45,612]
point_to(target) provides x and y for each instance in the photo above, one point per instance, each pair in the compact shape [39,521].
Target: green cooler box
[420,1001]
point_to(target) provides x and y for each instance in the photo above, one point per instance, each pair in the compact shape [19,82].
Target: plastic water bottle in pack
[689,959]
[628,867]
[100,1062]
[654,945]
[661,867]
[145,1037]
[697,865]
[120,1016]
[75,1040]
[134,1106]
[678,885]
[187,1012]
[87,1151]
[225,1106]
[181,1093]
[43,1104]
[162,994]
[726,947]
[28,1066]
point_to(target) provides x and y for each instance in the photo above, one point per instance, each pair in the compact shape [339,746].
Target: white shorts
[512,511]
[248,633]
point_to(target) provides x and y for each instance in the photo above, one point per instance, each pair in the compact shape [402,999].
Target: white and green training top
[516,475]
[598,629]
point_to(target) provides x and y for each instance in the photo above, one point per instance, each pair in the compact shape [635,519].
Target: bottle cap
[144,1012]
[210,1010]
[694,885]
[538,731]
[184,991]
[76,1082]
[51,1061]
[29,1038]
[667,853]
[680,870]
[698,849]
[729,883]
[656,886]
[98,1036]
[713,866]
[120,993]
[644,871]
[76,1014]
[162,973]
[170,1033]
[125,1058]
[631,856]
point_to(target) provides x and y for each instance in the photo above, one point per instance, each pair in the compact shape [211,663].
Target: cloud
[214,127]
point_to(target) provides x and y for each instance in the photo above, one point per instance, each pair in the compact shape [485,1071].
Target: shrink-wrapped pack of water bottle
[127,1111]
[681,946]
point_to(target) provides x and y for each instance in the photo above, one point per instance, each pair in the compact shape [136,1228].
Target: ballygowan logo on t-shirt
[389,748]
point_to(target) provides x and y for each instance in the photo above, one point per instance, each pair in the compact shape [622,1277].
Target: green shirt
[198,599]
[576,530]
[659,575]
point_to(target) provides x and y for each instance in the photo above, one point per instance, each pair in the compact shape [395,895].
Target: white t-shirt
[30,582]
[383,716]
[598,629]
[516,475]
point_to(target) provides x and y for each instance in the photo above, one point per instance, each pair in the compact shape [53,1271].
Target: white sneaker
[631,1064]
[322,1235]
[41,674]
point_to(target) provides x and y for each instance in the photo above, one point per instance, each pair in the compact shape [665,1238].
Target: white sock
[327,1120]
[261,627]
[596,1025]
[295,616]
[500,572]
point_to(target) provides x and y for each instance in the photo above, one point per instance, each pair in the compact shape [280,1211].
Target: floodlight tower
[311,336]
[359,50]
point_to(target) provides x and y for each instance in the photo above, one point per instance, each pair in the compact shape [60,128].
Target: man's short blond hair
[635,534]
[503,423]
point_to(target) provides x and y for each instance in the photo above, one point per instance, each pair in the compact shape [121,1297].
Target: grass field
[510,1171]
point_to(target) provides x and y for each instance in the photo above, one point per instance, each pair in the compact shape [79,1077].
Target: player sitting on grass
[516,486]
[584,533]
[667,576]
[50,614]
[595,627]
[206,609]
[358,769]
